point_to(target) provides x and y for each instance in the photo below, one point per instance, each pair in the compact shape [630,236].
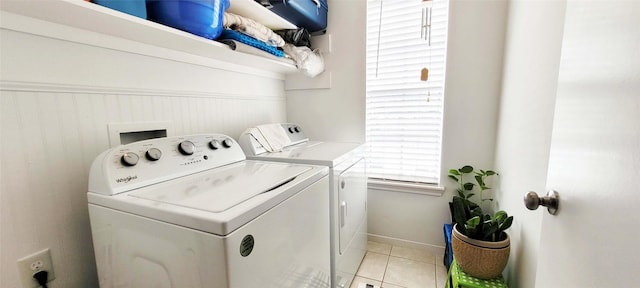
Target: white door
[594,240]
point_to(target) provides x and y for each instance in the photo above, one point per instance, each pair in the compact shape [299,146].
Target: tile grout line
[386,265]
[435,272]
[433,262]
[385,268]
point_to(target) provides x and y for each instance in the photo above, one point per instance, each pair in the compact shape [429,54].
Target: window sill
[405,187]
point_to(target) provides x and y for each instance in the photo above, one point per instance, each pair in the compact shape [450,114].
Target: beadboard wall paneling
[49,140]
[57,98]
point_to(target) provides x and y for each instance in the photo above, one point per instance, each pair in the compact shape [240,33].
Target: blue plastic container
[303,13]
[200,17]
[133,7]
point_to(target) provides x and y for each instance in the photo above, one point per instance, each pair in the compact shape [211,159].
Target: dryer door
[352,197]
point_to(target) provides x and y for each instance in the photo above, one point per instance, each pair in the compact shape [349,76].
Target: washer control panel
[137,164]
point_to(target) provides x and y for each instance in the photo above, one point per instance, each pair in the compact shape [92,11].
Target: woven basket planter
[480,259]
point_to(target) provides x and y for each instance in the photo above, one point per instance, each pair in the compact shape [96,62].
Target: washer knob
[186,147]
[291,130]
[214,144]
[297,129]
[227,143]
[129,159]
[153,154]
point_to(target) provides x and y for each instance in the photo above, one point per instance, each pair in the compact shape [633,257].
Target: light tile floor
[390,266]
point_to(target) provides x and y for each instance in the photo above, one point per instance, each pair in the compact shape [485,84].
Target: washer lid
[218,200]
[227,188]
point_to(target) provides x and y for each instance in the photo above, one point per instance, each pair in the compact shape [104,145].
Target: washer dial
[153,154]
[214,144]
[186,147]
[129,159]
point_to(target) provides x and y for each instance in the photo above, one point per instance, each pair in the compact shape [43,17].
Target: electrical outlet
[29,265]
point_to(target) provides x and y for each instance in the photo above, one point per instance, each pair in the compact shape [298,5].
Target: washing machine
[191,211]
[347,190]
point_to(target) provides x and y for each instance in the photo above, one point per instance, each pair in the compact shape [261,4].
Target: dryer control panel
[252,147]
[142,163]
[295,133]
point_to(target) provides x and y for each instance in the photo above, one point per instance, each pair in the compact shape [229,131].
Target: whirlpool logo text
[126,179]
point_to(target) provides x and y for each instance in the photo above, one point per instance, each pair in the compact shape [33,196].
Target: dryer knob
[291,130]
[297,129]
[214,144]
[227,143]
[129,159]
[186,147]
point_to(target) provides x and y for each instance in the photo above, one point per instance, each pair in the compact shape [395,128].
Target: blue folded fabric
[253,42]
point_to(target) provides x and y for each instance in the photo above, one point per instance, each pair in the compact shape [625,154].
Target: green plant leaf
[462,229]
[500,216]
[489,230]
[454,178]
[468,186]
[480,181]
[473,227]
[460,193]
[489,173]
[476,212]
[507,223]
[454,172]
[466,169]
[469,195]
[459,210]
[473,222]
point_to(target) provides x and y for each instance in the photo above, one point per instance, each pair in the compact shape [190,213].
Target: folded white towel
[255,133]
[252,28]
[275,135]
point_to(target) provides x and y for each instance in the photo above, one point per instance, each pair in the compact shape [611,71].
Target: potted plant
[465,188]
[480,244]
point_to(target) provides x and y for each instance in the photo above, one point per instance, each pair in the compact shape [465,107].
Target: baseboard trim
[437,250]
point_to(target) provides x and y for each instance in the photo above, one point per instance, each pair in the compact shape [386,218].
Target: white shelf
[79,21]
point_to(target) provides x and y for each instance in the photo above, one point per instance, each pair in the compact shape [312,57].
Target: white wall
[532,57]
[56,100]
[475,52]
[337,114]
[474,70]
[62,94]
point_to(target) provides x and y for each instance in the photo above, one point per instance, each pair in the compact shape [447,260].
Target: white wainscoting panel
[49,140]
[56,100]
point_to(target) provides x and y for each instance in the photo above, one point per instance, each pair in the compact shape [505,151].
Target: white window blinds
[404,114]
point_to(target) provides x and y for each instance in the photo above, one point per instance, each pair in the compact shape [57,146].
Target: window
[403,113]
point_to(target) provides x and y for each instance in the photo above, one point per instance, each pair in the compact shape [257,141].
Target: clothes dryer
[190,211]
[347,190]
